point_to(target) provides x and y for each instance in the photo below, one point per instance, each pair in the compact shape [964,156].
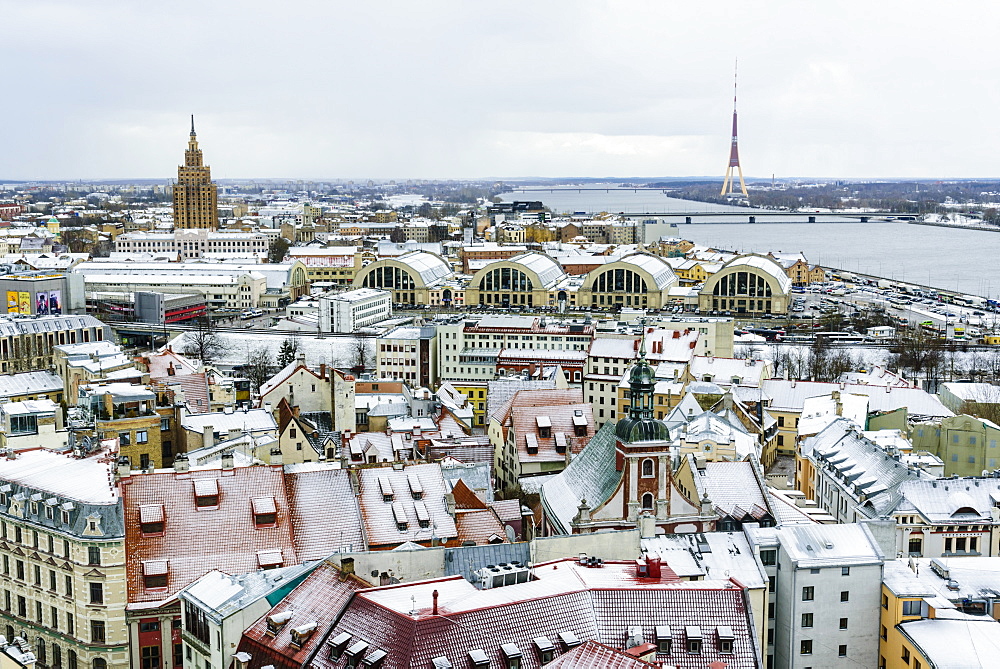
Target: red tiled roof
[325,513]
[465,498]
[565,597]
[380,519]
[593,655]
[508,510]
[195,541]
[194,387]
[524,420]
[320,598]
[480,526]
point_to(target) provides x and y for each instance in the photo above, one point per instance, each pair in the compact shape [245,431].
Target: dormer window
[206,493]
[151,520]
[511,656]
[265,512]
[693,639]
[546,649]
[269,558]
[544,424]
[531,444]
[579,423]
[478,659]
[416,488]
[338,645]
[663,639]
[726,639]
[399,515]
[277,621]
[354,655]
[385,487]
[154,574]
[423,516]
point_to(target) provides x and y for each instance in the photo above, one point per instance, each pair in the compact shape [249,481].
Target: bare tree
[362,355]
[258,367]
[203,343]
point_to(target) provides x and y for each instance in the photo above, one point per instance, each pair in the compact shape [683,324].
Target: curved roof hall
[548,271]
[763,264]
[658,268]
[430,268]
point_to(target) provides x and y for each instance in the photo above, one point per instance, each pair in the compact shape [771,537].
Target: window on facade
[150,657]
[96,593]
[808,593]
[23,425]
[906,655]
[97,634]
[845,595]
[911,607]
[768,557]
[647,468]
[842,650]
[806,647]
[807,620]
[843,623]
[93,555]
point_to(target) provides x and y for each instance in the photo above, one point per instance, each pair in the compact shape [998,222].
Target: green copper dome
[640,424]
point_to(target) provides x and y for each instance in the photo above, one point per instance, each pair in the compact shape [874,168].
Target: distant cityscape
[259,424]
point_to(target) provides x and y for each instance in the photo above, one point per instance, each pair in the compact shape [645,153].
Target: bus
[958,334]
[841,337]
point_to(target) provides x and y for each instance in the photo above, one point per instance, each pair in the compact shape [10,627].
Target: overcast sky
[469,89]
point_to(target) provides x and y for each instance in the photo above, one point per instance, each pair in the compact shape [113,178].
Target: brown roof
[525,422]
[380,516]
[530,397]
[481,526]
[592,654]
[325,513]
[320,599]
[198,540]
[465,498]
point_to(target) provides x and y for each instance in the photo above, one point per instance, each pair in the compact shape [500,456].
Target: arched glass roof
[663,275]
[431,268]
[547,269]
[765,265]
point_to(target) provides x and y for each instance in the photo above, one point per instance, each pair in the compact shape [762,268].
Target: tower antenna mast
[729,184]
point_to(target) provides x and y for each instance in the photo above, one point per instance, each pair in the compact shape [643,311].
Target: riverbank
[960,226]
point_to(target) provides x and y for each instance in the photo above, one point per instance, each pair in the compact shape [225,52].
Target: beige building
[747,285]
[195,196]
[63,559]
[526,280]
[410,277]
[640,280]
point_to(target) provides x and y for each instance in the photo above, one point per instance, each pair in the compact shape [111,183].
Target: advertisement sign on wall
[11,301]
[42,303]
[55,302]
[24,302]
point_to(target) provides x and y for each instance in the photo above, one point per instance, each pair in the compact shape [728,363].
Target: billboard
[42,303]
[24,302]
[11,301]
[55,302]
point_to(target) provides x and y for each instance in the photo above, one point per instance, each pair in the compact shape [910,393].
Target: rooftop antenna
[729,184]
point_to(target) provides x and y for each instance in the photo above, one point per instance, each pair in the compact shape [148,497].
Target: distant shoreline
[956,225]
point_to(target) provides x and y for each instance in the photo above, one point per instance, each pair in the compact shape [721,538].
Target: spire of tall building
[195,196]
[729,184]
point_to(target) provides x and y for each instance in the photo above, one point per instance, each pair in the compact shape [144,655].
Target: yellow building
[63,566]
[195,196]
[475,391]
[921,629]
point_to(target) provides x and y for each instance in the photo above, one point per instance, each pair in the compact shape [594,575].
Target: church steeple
[640,424]
[192,126]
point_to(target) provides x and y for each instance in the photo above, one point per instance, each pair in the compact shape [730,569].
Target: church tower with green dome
[640,426]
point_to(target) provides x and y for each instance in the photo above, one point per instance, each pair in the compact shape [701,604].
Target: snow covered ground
[318,350]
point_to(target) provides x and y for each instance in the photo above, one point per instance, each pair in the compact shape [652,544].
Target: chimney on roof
[346,567]
[124,467]
[276,458]
[322,370]
[654,566]
[227,460]
[435,596]
[181,463]
[676,334]
[449,501]
[207,436]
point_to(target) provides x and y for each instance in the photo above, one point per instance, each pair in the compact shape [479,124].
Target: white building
[409,354]
[825,582]
[195,243]
[353,310]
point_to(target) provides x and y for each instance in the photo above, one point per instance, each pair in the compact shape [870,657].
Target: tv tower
[734,155]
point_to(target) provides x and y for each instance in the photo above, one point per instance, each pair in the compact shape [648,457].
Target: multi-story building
[63,559]
[195,243]
[966,444]
[939,613]
[354,309]
[29,344]
[195,196]
[128,413]
[336,264]
[469,350]
[824,583]
[410,354]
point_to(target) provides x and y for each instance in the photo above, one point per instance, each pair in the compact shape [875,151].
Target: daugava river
[966,261]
